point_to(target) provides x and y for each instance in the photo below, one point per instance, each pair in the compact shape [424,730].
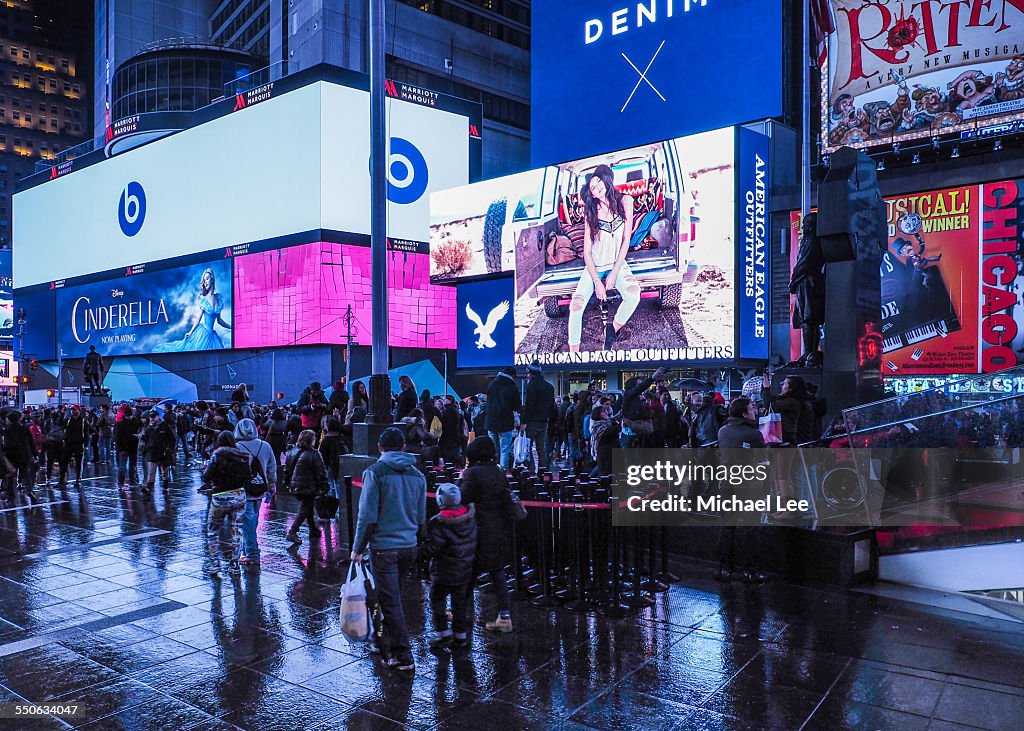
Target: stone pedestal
[366,436]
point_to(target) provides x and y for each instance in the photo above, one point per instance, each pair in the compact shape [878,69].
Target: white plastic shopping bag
[521,449]
[355,613]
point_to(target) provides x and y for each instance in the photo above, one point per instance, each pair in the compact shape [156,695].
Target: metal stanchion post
[546,598]
[349,510]
[616,607]
[637,600]
[666,575]
[653,584]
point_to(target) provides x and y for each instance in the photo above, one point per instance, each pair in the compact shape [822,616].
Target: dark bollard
[637,599]
[616,607]
[666,575]
[568,578]
[653,584]
[599,522]
[583,602]
[518,588]
[350,509]
[546,597]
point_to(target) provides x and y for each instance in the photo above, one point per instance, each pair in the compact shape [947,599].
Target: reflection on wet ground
[103,602]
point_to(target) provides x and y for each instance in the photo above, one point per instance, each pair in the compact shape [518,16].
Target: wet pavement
[103,602]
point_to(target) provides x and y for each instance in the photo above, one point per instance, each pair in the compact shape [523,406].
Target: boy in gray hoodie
[392,518]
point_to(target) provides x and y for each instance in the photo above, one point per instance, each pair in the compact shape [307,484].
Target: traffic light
[26,379]
[50,393]
[33,364]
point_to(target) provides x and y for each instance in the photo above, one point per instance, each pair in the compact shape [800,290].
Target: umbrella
[691,384]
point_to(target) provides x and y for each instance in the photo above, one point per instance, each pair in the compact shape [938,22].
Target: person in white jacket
[248,440]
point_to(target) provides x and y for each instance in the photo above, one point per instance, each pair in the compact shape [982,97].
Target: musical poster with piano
[930,283]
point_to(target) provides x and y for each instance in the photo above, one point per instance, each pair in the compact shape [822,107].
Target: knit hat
[448,495]
[391,439]
[481,449]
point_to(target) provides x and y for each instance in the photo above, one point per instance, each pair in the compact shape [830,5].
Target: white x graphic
[643,77]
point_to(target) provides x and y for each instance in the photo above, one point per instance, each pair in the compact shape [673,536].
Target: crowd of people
[248,451]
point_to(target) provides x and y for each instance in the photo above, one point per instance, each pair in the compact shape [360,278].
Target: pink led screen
[299,296]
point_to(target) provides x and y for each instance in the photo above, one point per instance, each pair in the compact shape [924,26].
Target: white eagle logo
[483,330]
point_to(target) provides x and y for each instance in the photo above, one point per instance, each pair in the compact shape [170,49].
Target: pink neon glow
[299,296]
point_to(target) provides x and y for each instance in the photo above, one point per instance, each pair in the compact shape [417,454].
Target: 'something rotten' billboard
[902,69]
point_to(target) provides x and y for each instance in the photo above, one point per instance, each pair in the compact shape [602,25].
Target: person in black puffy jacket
[485,486]
[451,543]
[305,476]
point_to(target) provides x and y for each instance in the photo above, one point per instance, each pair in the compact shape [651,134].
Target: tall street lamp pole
[380,382]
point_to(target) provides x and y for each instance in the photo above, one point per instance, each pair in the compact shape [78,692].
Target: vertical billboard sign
[641,72]
[929,283]
[6,295]
[905,69]
[486,324]
[752,207]
[1002,278]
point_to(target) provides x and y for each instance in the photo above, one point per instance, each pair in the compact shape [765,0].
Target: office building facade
[43,102]
[475,50]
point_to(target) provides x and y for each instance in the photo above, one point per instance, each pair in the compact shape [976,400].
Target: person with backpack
[227,475]
[159,441]
[305,476]
[126,441]
[262,485]
[451,547]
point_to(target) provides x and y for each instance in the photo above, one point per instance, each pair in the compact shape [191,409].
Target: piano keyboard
[939,328]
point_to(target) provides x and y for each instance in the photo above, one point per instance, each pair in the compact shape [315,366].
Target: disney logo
[115,293]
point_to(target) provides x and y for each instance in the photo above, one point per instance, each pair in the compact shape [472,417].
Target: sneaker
[234,568]
[406,665]
[214,572]
[440,639]
[294,538]
[501,624]
[249,563]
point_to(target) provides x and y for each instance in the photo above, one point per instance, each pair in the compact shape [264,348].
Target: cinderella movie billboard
[905,69]
[183,309]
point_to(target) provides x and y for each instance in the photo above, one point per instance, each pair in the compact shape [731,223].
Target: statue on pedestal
[808,288]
